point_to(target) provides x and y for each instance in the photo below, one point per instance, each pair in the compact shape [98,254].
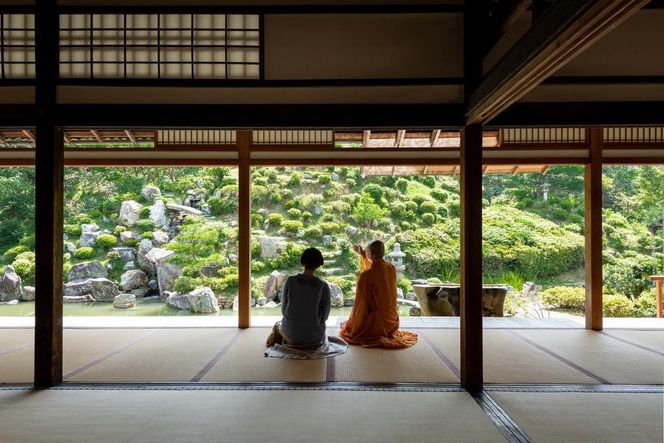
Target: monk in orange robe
[374,320]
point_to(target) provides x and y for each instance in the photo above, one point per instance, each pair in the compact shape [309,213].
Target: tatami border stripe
[330,369]
[505,424]
[198,377]
[17,348]
[348,386]
[439,352]
[589,389]
[561,358]
[629,342]
[107,356]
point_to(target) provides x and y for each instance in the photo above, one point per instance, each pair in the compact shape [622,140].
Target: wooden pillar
[244,226]
[593,221]
[471,258]
[49,163]
[475,23]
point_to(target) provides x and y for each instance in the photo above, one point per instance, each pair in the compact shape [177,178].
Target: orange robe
[374,320]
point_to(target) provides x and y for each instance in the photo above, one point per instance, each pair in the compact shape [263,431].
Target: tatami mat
[16,355]
[245,361]
[165,356]
[418,364]
[609,359]
[242,416]
[586,417]
[653,340]
[508,360]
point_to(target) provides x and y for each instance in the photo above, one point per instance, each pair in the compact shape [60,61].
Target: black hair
[312,258]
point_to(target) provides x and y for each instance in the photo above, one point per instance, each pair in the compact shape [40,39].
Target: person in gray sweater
[305,306]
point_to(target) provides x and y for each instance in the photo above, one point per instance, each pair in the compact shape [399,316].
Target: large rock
[70,247]
[444,300]
[126,236]
[88,239]
[89,227]
[143,262]
[125,253]
[186,210]
[271,247]
[86,270]
[101,289]
[203,301]
[158,214]
[150,193]
[167,273]
[178,301]
[160,238]
[273,284]
[336,296]
[124,301]
[28,293]
[130,212]
[10,285]
[133,279]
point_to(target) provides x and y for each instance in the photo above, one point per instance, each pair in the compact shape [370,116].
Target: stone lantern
[396,258]
[545,190]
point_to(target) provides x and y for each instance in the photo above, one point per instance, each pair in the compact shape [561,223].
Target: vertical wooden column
[244,225]
[475,22]
[471,258]
[593,221]
[49,163]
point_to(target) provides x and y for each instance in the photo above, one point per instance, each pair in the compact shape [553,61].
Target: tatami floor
[214,384]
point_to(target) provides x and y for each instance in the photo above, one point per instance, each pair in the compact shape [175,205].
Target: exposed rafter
[95,134]
[130,136]
[566,29]
[366,138]
[29,135]
[401,134]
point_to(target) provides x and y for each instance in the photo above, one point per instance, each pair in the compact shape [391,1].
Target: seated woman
[305,305]
[374,320]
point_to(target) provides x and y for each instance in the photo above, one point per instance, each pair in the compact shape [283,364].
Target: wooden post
[475,21]
[49,163]
[471,259]
[659,283]
[244,227]
[593,221]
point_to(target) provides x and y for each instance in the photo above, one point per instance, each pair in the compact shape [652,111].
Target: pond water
[145,308]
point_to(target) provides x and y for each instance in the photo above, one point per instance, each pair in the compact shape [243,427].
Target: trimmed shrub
[375,191]
[219,206]
[276,197]
[405,285]
[565,297]
[24,265]
[294,213]
[11,253]
[82,218]
[257,220]
[84,253]
[440,195]
[428,207]
[290,204]
[314,231]
[330,227]
[119,230]
[292,225]
[345,284]
[147,235]
[306,215]
[72,230]
[402,184]
[295,179]
[275,219]
[324,179]
[428,219]
[107,240]
[617,306]
[187,284]
[257,266]
[144,212]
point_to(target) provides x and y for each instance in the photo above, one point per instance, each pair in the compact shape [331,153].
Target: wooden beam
[29,135]
[435,134]
[512,13]
[366,138]
[514,169]
[130,135]
[401,134]
[49,191]
[244,228]
[565,30]
[96,136]
[593,234]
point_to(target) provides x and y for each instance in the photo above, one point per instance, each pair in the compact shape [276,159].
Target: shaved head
[377,249]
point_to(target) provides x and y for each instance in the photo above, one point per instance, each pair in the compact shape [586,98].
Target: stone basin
[444,300]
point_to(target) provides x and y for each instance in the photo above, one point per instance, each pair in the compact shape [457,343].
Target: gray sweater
[305,305]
